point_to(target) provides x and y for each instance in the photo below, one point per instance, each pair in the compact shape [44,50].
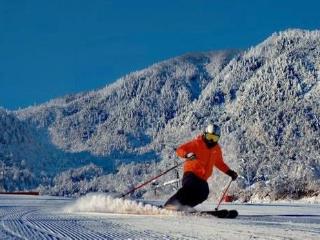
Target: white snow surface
[42,217]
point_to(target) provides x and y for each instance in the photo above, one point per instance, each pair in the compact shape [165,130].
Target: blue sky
[50,48]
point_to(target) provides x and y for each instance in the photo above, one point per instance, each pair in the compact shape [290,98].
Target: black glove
[232,174]
[190,156]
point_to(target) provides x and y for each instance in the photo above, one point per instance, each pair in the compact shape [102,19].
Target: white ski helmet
[213,129]
[212,134]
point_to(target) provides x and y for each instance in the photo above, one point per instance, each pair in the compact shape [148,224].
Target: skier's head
[212,134]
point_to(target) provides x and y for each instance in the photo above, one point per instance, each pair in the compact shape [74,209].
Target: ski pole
[145,183]
[224,193]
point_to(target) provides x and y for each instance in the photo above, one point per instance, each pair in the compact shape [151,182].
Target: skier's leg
[174,199]
[195,191]
[180,196]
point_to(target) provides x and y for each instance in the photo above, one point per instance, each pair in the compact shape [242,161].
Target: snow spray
[102,203]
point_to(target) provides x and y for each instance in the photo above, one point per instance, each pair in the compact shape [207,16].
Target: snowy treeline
[90,178]
[14,174]
[266,100]
[16,177]
[76,181]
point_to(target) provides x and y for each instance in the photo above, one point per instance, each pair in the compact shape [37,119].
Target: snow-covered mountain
[266,99]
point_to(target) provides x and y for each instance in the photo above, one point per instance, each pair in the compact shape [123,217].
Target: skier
[201,155]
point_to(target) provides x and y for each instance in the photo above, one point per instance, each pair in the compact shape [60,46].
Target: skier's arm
[219,163]
[185,149]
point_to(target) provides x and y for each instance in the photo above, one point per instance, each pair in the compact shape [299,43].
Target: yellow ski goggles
[212,137]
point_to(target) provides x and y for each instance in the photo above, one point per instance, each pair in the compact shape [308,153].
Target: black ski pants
[194,191]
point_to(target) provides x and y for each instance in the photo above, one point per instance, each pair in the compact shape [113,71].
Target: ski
[224,213]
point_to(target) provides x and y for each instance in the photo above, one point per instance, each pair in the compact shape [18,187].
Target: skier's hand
[190,156]
[232,174]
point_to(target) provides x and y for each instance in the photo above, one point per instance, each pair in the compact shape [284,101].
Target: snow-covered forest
[266,100]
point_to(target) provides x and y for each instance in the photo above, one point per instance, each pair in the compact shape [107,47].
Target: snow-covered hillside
[127,115]
[28,158]
[266,100]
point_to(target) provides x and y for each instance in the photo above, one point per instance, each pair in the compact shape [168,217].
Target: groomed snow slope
[24,217]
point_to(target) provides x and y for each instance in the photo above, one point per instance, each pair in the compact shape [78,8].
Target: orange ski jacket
[206,158]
